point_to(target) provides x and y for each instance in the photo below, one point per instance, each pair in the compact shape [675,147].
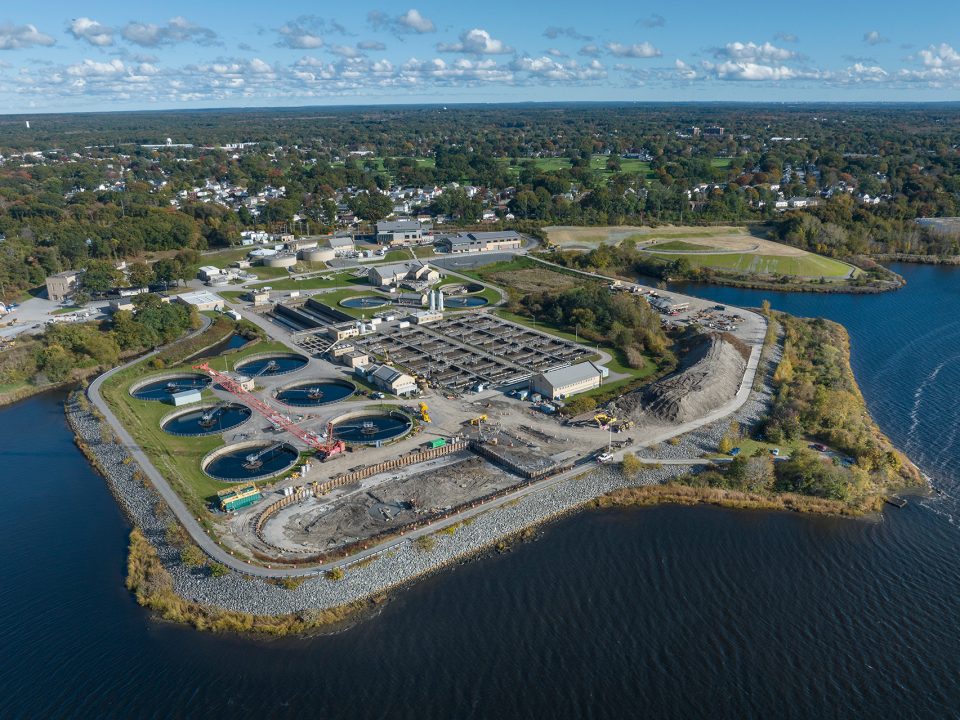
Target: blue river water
[661,612]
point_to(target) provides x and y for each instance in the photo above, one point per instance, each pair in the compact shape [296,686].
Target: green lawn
[681,246]
[397,256]
[326,280]
[425,251]
[178,458]
[803,266]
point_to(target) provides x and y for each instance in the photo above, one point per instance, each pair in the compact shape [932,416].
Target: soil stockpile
[710,374]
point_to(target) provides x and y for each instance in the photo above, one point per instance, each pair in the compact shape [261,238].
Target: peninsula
[379,421]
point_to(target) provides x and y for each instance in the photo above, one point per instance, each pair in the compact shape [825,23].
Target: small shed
[186,397]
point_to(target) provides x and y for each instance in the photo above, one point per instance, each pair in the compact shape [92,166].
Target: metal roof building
[564,382]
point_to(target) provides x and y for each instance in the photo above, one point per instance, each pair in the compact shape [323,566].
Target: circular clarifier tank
[206,420]
[162,387]
[271,365]
[464,301]
[364,302]
[249,460]
[317,392]
[371,428]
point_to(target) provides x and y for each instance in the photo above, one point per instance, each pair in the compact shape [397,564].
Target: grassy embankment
[178,458]
[816,397]
[152,585]
[711,256]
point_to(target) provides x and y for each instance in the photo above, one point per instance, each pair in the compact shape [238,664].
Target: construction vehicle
[478,420]
[604,420]
[424,412]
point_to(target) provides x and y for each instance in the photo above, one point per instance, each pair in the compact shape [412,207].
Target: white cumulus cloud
[173,32]
[16,37]
[765,53]
[476,42]
[91,31]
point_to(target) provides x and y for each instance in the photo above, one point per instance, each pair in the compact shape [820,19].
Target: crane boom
[324,447]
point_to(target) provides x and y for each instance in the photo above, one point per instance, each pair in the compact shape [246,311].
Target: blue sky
[59,56]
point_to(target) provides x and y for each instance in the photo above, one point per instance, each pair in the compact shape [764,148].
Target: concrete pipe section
[210,420]
[161,387]
[371,428]
[322,391]
[271,364]
[253,460]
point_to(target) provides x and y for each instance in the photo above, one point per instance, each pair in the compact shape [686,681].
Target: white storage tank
[280,261]
[318,254]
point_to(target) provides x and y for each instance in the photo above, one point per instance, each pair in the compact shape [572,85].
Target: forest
[80,188]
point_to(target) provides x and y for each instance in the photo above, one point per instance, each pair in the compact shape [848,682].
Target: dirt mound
[710,374]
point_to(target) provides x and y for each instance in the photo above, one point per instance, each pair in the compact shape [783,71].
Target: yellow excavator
[479,419]
[424,412]
[604,420]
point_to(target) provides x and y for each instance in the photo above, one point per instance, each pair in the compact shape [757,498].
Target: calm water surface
[665,612]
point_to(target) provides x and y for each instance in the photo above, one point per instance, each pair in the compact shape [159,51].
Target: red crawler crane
[325,448]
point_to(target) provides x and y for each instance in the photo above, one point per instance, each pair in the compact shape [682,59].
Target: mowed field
[752,255]
[723,247]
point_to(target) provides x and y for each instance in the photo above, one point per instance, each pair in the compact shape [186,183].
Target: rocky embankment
[397,565]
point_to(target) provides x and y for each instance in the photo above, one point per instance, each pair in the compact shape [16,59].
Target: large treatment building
[564,382]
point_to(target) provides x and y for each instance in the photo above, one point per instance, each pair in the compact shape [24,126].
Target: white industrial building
[399,232]
[564,382]
[492,241]
[208,273]
[396,273]
[388,379]
[185,397]
[342,245]
[202,300]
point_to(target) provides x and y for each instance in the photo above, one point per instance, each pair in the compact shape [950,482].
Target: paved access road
[204,541]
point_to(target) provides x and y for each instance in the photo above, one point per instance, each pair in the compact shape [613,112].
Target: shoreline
[317,603]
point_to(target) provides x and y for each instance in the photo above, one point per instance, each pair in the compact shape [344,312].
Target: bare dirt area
[710,374]
[741,243]
[534,280]
[569,236]
[384,503]
[572,237]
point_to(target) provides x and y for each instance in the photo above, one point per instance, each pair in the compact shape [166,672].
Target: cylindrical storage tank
[318,254]
[280,261]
